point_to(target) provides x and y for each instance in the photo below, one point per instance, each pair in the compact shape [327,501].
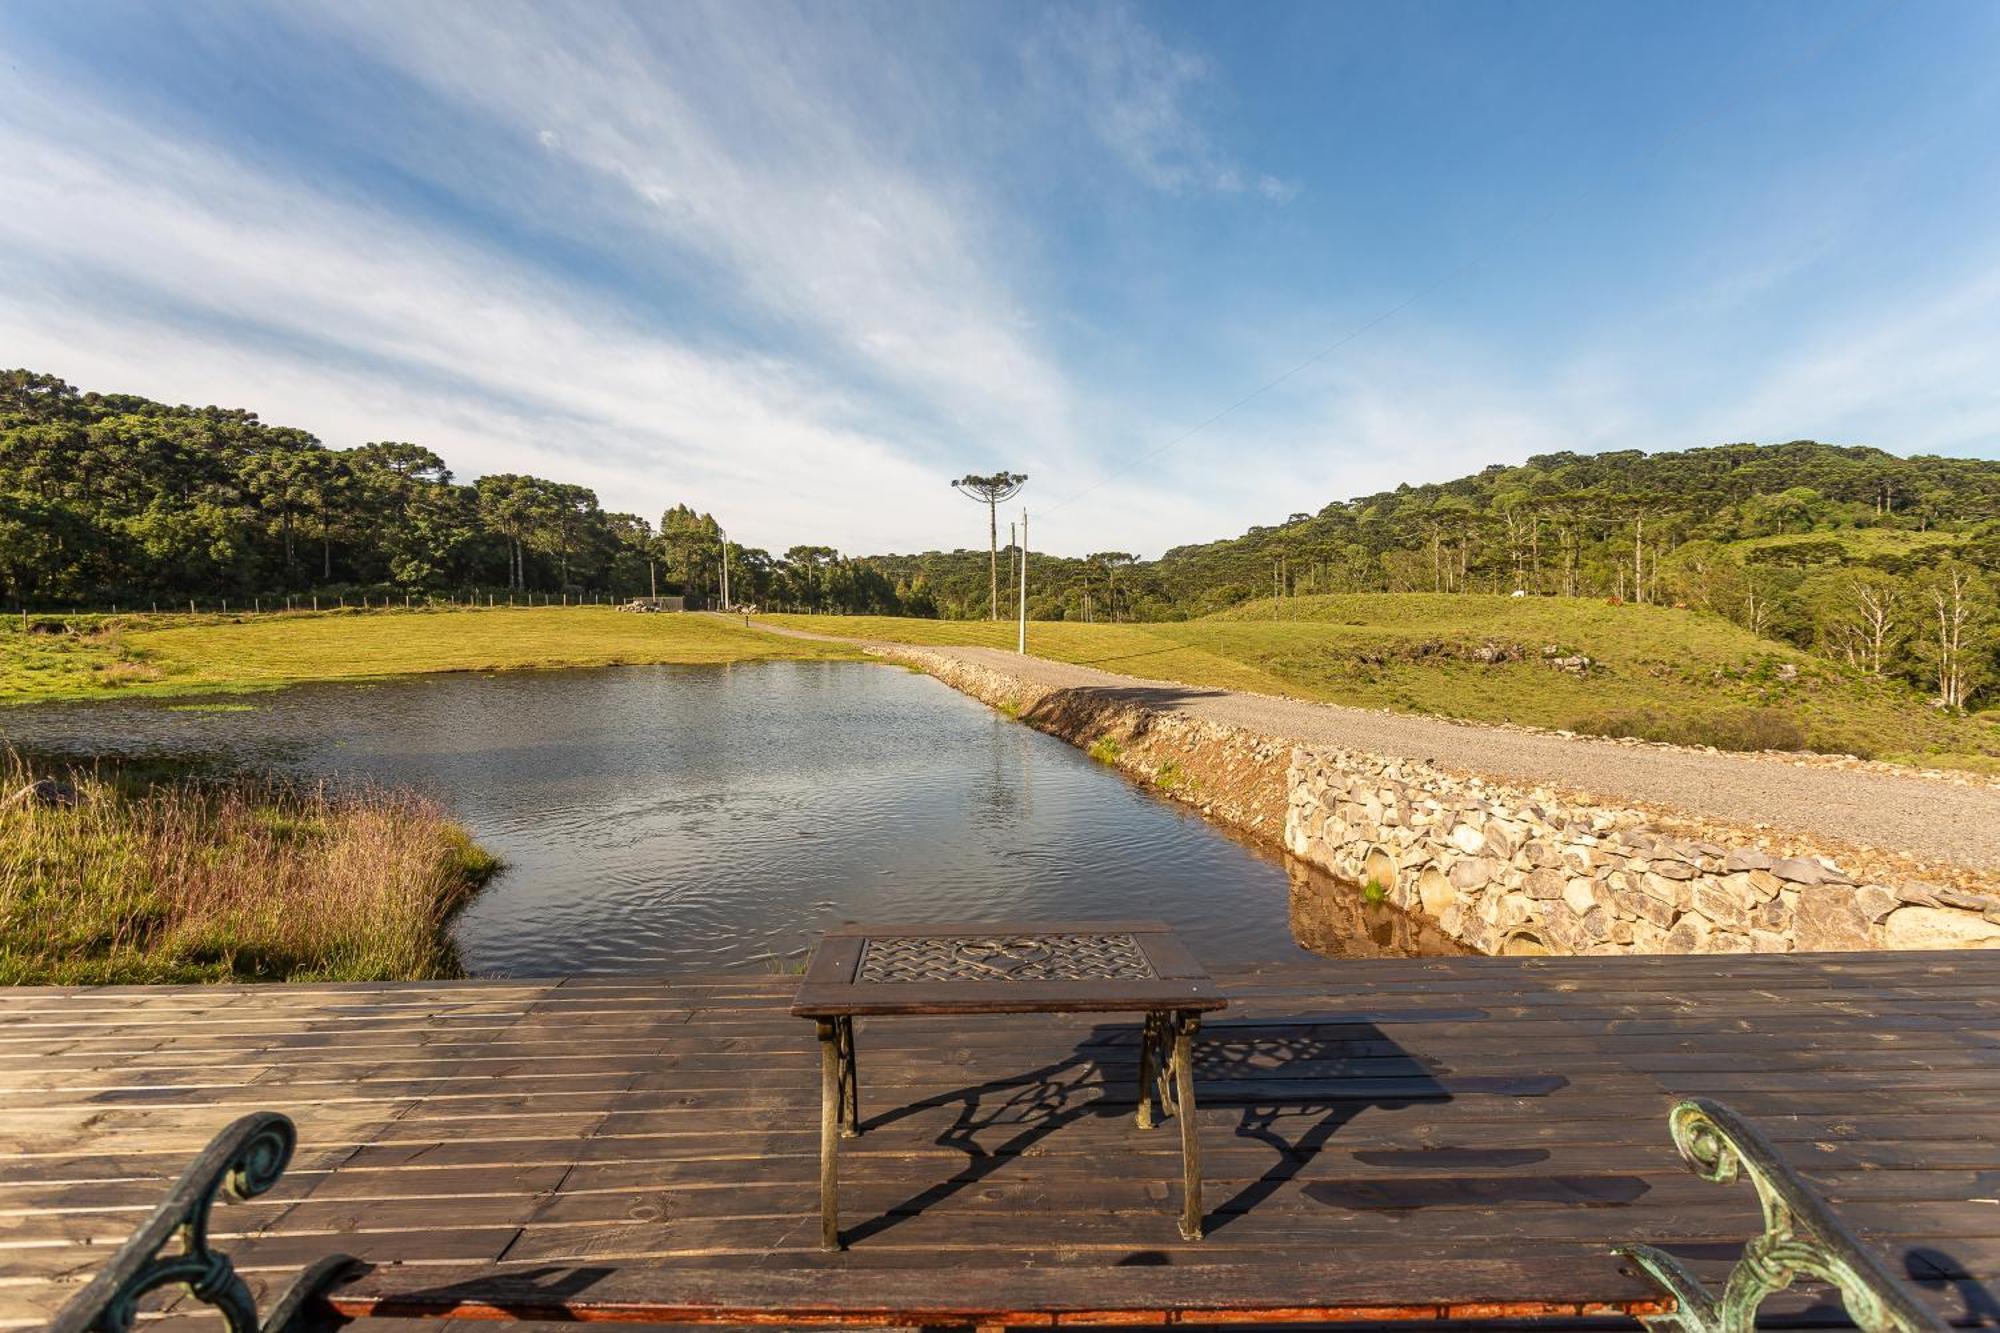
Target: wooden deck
[1396,1112]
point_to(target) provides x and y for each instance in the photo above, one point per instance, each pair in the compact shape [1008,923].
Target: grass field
[95,656]
[122,880]
[1655,672]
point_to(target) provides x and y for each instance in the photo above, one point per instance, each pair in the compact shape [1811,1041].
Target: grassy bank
[86,657]
[106,878]
[1653,672]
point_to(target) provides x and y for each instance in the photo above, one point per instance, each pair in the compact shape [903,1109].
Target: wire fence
[321,602]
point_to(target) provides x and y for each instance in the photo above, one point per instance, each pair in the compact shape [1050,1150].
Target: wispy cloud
[138,262]
[1917,377]
[715,132]
[1136,93]
[883,335]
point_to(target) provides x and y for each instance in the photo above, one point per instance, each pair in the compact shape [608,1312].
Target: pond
[656,818]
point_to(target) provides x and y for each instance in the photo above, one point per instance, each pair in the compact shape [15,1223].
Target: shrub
[110,879]
[1726,729]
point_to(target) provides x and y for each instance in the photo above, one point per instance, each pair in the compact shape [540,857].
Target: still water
[653,818]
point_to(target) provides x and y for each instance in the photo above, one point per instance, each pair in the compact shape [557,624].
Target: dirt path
[1929,819]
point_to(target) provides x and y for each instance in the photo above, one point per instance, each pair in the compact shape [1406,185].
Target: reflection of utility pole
[725,567]
[1021,644]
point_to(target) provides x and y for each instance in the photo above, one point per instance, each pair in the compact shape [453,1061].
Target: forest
[1878,561]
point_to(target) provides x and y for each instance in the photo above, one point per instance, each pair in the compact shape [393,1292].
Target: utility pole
[725,567]
[1021,643]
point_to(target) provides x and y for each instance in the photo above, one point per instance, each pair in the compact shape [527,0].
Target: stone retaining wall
[1496,868]
[1233,776]
[1507,870]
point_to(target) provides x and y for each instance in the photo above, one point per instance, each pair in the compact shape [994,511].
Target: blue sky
[802,265]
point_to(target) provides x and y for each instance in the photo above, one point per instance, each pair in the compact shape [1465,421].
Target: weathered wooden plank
[1459,1107]
[1563,1284]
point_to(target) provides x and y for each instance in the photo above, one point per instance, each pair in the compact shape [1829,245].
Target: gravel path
[1931,819]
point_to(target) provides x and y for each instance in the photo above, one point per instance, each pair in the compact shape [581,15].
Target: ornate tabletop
[1003,967]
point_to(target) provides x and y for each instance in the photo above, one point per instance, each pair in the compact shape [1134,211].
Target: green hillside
[1567,663]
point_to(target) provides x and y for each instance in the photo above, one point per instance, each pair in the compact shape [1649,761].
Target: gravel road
[1931,819]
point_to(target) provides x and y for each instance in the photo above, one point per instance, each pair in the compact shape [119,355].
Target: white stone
[1721,903]
[1471,873]
[1544,883]
[1874,901]
[1798,870]
[1916,927]
[1666,890]
[1468,839]
[1689,935]
[1746,858]
[1648,938]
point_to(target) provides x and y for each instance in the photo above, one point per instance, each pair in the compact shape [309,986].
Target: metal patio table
[1007,967]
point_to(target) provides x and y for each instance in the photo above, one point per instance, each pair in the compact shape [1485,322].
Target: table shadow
[1297,1080]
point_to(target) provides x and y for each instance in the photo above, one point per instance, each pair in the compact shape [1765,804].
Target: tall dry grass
[121,880]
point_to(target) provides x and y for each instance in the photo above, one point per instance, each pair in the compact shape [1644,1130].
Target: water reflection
[659,817]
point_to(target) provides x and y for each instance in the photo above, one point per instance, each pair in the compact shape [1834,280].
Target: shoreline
[1500,867]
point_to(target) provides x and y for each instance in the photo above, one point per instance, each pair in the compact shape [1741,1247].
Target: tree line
[1883,562]
[113,498]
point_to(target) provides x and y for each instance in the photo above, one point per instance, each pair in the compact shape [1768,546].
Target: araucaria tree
[1957,604]
[990,491]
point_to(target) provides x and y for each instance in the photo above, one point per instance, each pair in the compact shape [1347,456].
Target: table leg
[1149,1054]
[830,1097]
[1185,1025]
[850,1083]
